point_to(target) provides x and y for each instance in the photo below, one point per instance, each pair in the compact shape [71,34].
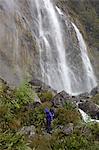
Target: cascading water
[90,77]
[52,50]
[55,65]
[57,55]
[87,118]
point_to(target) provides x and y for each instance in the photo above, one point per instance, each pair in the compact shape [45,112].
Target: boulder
[81,97]
[85,95]
[40,86]
[61,98]
[37,99]
[90,108]
[94,91]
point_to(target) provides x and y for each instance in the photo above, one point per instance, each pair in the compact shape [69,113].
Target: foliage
[45,96]
[95,99]
[94,128]
[24,94]
[65,116]
[37,117]
[17,110]
[41,142]
[12,141]
[11,103]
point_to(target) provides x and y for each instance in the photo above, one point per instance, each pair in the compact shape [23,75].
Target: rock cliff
[19,48]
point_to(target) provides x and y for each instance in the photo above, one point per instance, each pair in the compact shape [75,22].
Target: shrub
[45,96]
[41,142]
[95,99]
[24,94]
[94,129]
[68,115]
[12,141]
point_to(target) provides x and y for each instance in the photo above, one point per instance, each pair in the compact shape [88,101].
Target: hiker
[49,118]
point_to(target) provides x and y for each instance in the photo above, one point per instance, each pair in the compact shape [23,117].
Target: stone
[81,97]
[60,99]
[84,95]
[94,91]
[30,131]
[90,108]
[37,99]
[40,86]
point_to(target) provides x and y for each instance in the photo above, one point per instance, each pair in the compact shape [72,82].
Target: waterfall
[58,69]
[40,41]
[90,77]
[55,66]
[52,50]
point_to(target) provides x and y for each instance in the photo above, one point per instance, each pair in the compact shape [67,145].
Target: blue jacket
[49,115]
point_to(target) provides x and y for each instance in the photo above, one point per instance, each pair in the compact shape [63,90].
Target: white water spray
[58,69]
[87,118]
[91,79]
[62,61]
[55,72]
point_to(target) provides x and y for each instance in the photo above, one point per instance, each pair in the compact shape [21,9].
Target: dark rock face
[60,99]
[19,53]
[90,108]
[40,86]
[94,91]
[19,50]
[83,95]
[81,98]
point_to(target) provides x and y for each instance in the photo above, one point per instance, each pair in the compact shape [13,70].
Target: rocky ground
[22,118]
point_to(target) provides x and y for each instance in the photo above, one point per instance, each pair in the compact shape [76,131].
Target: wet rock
[36,82]
[3,81]
[40,86]
[29,131]
[94,91]
[37,99]
[61,98]
[81,97]
[84,95]
[90,108]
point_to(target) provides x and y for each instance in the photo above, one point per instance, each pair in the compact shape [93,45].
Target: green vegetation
[17,111]
[45,96]
[95,99]
[67,115]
